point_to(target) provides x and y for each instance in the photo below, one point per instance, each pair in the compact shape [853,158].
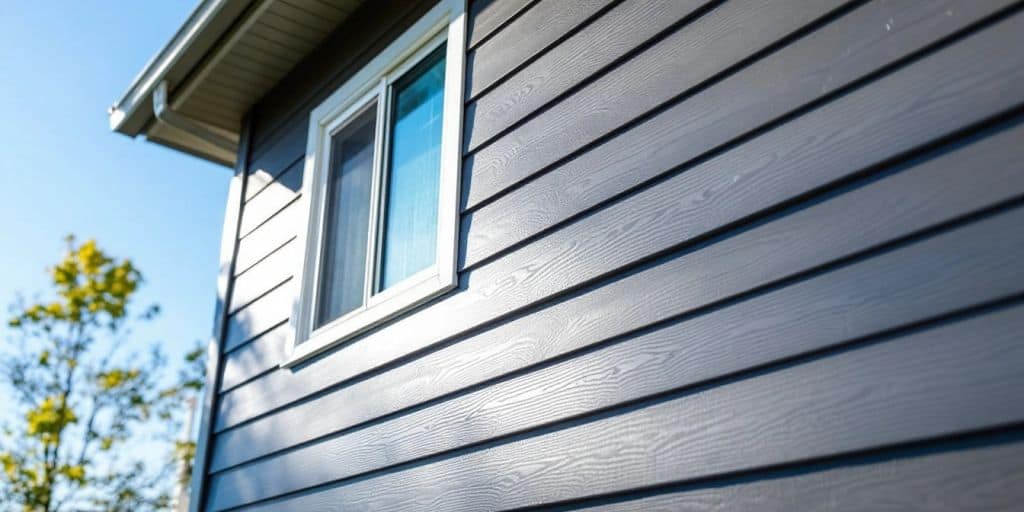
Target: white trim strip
[225,284]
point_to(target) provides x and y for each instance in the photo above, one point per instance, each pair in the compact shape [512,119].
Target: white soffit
[224,58]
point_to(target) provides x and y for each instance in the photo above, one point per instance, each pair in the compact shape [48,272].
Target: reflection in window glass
[409,231]
[343,271]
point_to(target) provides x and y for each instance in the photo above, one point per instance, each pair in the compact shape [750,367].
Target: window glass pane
[409,236]
[343,267]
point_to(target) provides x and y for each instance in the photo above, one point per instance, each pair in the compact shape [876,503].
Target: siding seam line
[695,15]
[879,336]
[264,293]
[252,339]
[834,190]
[673,251]
[276,176]
[655,258]
[238,347]
[1003,434]
[264,257]
[243,382]
[501,26]
[272,215]
[628,406]
[586,22]
[724,147]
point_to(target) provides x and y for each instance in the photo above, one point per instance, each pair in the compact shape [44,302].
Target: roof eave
[208,21]
[178,100]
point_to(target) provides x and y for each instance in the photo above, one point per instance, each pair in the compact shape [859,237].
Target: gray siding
[715,254]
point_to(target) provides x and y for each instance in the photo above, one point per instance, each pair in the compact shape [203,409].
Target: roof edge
[133,111]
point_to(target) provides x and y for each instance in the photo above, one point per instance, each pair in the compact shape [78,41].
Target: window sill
[417,292]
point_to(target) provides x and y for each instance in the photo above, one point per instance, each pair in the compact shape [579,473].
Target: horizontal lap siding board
[825,261]
[255,357]
[931,98]
[253,320]
[702,48]
[281,154]
[273,234]
[543,25]
[979,474]
[274,196]
[268,273]
[913,200]
[849,303]
[832,57]
[943,380]
[479,292]
[614,34]
[488,16]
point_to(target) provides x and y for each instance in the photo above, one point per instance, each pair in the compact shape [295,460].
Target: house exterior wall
[736,255]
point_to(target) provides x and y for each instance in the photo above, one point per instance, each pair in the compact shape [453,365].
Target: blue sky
[62,63]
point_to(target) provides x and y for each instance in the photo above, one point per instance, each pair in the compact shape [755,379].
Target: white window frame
[445,23]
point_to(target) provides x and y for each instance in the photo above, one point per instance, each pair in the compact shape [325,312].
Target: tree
[84,400]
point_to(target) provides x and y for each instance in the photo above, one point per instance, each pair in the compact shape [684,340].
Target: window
[381,187]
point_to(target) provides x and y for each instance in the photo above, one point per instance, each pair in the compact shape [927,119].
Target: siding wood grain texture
[741,254]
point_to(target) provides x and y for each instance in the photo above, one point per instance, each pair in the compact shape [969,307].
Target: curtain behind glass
[343,276]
